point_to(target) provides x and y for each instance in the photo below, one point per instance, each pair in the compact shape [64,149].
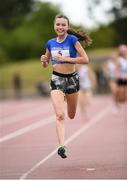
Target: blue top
[65,48]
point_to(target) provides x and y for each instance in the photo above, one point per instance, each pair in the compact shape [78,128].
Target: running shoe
[62,151]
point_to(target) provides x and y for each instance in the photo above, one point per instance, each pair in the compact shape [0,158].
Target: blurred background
[26,25]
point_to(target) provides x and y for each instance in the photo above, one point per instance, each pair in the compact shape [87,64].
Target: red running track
[97,149]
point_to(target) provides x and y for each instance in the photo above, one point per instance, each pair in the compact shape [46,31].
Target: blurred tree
[119,9]
[115,31]
[29,38]
[103,37]
[13,11]
[115,9]
[120,26]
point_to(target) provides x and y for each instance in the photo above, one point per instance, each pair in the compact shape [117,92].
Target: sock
[61,145]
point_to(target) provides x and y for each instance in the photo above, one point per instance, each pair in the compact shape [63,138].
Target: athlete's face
[61,26]
[122,50]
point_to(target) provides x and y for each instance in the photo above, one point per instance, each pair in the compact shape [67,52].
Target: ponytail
[82,36]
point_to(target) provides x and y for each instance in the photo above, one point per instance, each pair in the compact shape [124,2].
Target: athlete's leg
[72,104]
[113,88]
[57,97]
[126,92]
[122,93]
[82,98]
[84,103]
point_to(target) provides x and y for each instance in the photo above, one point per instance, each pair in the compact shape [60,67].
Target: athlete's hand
[44,60]
[58,58]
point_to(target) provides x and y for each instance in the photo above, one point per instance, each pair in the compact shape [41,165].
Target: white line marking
[90,169]
[20,115]
[27,129]
[97,118]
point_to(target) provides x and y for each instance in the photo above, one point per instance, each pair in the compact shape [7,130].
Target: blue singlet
[65,48]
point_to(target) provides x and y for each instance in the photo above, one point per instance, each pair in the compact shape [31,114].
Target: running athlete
[63,51]
[109,70]
[88,83]
[121,67]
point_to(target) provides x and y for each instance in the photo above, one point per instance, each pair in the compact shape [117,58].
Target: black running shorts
[121,82]
[67,83]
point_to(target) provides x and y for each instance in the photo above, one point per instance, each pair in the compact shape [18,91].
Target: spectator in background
[101,80]
[43,88]
[17,84]
[88,83]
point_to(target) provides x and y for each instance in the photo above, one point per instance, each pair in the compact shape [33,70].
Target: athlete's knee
[60,116]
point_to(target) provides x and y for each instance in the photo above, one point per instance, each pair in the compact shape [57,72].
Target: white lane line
[90,169]
[27,129]
[93,121]
[23,114]
[16,107]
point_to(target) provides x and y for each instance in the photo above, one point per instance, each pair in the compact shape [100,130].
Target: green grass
[101,52]
[30,71]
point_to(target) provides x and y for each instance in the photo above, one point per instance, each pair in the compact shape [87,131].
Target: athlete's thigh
[121,93]
[57,97]
[126,91]
[82,97]
[72,104]
[113,86]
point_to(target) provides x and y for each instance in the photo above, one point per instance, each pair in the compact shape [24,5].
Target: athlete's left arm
[81,59]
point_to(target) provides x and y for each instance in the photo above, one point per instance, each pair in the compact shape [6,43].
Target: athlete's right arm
[45,58]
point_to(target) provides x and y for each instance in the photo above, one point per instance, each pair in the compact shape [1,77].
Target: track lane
[28,149]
